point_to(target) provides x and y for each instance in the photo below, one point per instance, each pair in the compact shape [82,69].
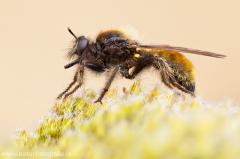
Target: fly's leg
[108,84]
[160,64]
[80,72]
[70,85]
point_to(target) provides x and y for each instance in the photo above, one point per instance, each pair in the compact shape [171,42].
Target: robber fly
[119,50]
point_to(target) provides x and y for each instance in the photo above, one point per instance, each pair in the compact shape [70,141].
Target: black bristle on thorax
[110,48]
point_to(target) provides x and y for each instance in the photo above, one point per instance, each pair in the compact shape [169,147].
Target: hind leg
[160,64]
[167,75]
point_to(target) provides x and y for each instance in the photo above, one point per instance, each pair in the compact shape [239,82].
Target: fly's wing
[177,49]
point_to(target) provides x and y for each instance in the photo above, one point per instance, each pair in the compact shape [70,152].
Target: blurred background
[34,36]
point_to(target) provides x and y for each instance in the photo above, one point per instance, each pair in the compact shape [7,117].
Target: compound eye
[82,44]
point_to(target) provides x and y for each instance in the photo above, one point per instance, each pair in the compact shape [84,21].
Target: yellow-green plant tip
[135,88]
[195,105]
[91,94]
[112,93]
[154,94]
[80,104]
[183,104]
[66,124]
[89,110]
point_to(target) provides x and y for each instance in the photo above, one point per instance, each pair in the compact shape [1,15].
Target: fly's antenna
[72,32]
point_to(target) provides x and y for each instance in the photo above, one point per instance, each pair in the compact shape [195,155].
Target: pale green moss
[158,124]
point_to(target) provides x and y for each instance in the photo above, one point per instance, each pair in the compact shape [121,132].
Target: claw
[98,101]
[60,96]
[64,99]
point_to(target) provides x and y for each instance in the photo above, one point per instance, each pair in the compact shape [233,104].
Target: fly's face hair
[119,50]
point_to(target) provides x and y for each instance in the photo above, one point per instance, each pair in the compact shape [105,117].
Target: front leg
[79,76]
[80,80]
[108,85]
[70,85]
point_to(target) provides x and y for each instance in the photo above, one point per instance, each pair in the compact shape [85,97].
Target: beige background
[33,37]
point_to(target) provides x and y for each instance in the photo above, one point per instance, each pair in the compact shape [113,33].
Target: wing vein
[177,49]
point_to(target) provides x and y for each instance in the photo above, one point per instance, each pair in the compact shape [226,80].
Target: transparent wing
[177,49]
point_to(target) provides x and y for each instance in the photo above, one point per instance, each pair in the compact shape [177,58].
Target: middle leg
[108,85]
